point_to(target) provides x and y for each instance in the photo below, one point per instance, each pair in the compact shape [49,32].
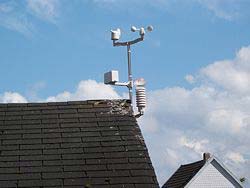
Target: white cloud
[11,17]
[21,25]
[150,123]
[227,120]
[12,97]
[226,9]
[125,2]
[195,145]
[131,6]
[16,15]
[34,89]
[236,157]
[87,89]
[172,157]
[213,116]
[106,1]
[44,9]
[190,79]
[232,75]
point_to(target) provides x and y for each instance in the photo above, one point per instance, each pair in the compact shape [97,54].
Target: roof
[73,144]
[183,175]
[219,176]
[187,174]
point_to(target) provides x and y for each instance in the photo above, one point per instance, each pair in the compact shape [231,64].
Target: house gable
[213,175]
[207,173]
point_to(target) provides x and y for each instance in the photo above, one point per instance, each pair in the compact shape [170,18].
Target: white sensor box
[111,77]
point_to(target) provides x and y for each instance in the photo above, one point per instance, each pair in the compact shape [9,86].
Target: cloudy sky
[196,63]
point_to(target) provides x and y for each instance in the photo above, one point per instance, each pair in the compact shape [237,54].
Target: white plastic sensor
[142,31]
[140,94]
[134,29]
[115,34]
[111,77]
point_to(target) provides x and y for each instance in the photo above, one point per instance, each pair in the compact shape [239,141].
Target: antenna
[112,77]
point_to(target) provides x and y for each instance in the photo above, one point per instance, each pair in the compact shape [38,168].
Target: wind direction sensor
[112,77]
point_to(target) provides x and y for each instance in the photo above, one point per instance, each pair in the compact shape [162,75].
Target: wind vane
[112,77]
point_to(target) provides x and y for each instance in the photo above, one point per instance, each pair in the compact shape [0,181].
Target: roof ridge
[112,106]
[197,162]
[91,101]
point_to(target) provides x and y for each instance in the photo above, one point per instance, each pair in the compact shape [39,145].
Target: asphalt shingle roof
[73,144]
[183,175]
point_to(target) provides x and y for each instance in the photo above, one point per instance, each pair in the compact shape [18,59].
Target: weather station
[112,77]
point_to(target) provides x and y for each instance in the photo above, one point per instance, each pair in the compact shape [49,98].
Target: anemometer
[112,77]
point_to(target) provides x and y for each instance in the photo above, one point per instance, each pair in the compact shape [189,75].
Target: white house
[207,173]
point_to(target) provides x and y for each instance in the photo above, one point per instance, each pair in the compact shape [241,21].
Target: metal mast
[112,76]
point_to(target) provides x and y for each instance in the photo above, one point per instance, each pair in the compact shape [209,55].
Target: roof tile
[73,144]
[183,175]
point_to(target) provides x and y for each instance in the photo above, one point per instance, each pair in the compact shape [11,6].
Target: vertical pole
[130,79]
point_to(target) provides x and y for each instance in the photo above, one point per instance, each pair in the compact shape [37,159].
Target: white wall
[212,176]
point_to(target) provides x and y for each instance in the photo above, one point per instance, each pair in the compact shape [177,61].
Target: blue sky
[74,41]
[196,63]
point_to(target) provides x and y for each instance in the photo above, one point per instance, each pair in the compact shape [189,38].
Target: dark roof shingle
[183,175]
[73,144]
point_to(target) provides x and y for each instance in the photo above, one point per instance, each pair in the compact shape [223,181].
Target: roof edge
[184,165]
[114,106]
[193,163]
[206,164]
[91,101]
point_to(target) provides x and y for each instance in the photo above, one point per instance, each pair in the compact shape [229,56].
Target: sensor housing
[111,77]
